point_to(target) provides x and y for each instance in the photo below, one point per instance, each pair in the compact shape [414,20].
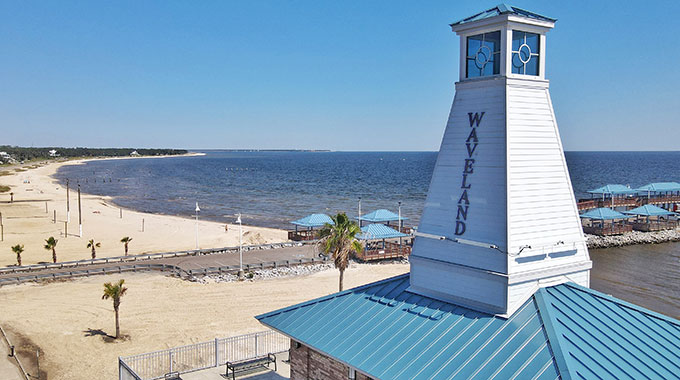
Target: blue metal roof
[379,231]
[649,210]
[564,331]
[314,220]
[502,9]
[603,213]
[613,189]
[388,333]
[381,215]
[596,336]
[660,187]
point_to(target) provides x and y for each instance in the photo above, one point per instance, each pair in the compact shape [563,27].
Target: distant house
[6,158]
[134,154]
[53,153]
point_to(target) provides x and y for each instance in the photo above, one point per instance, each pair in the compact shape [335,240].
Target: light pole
[399,223]
[68,205]
[240,247]
[359,211]
[80,216]
[197,211]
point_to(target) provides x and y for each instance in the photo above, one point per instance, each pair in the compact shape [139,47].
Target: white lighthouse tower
[500,219]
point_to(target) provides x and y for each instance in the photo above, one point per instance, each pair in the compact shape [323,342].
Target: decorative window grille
[525,53]
[483,54]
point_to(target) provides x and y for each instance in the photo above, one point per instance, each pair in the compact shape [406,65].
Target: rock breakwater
[632,238]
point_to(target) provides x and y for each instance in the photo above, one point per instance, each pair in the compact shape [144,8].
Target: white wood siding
[520,200]
[542,211]
[486,218]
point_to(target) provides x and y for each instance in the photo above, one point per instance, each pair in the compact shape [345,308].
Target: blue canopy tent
[602,215]
[382,216]
[653,218]
[376,244]
[309,222]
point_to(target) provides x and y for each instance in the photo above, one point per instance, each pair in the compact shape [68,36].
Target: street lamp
[399,223]
[197,211]
[240,247]
[359,211]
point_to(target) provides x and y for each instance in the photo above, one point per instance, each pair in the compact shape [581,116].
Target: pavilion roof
[381,215]
[378,232]
[313,220]
[603,213]
[660,187]
[649,210]
[613,189]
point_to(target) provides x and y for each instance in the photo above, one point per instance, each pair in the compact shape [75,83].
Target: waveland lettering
[468,169]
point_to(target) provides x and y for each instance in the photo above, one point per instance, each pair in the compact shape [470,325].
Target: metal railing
[156,267]
[87,272]
[198,356]
[147,256]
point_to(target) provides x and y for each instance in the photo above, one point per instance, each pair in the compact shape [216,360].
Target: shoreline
[46,175]
[35,190]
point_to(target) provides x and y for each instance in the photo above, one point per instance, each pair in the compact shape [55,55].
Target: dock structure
[650,218]
[382,242]
[648,208]
[310,225]
[605,222]
[664,194]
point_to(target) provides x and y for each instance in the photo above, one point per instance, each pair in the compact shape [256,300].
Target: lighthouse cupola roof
[503,41]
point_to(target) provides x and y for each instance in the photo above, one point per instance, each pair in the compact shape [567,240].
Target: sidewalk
[8,367]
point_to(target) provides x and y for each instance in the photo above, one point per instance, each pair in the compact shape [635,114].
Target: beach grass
[4,173]
[4,189]
[18,170]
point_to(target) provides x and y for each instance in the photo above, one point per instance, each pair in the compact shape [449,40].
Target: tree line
[24,154]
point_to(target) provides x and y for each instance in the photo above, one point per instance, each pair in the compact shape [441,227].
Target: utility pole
[197,211]
[68,204]
[240,247]
[359,211]
[80,218]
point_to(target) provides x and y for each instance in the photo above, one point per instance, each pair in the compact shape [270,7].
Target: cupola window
[483,54]
[525,51]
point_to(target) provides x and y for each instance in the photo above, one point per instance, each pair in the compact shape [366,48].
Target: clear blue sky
[340,75]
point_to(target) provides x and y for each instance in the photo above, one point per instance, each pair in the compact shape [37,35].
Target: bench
[246,365]
[172,376]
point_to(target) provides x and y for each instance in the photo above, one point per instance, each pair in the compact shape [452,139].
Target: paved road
[252,257]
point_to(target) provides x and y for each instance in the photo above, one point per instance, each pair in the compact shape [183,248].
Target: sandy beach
[66,319]
[26,222]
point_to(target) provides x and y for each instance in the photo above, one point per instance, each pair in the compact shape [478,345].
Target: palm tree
[93,245]
[18,249]
[52,245]
[115,292]
[340,240]
[126,240]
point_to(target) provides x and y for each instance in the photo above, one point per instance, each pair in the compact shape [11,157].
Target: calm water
[272,188]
